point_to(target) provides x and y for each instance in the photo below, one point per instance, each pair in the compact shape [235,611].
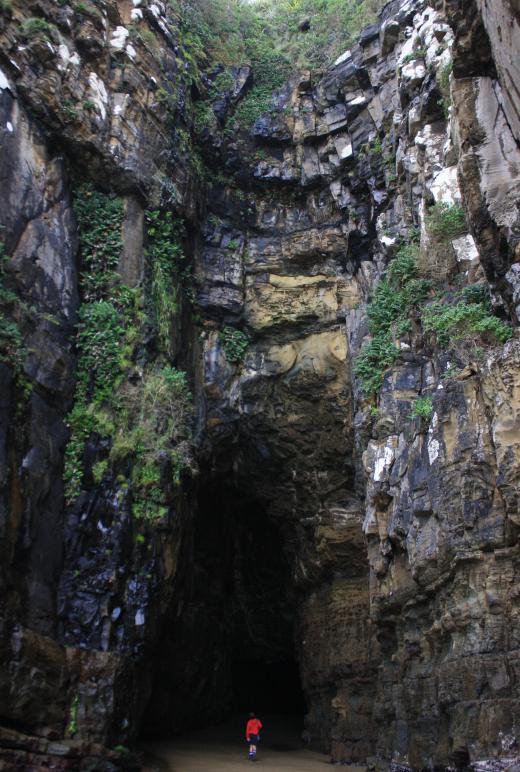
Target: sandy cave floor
[223,748]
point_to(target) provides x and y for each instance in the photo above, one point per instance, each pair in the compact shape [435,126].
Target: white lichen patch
[383,461]
[120,103]
[131,52]
[4,83]
[414,71]
[98,94]
[342,58]
[118,39]
[136,14]
[434,448]
[67,58]
[9,127]
[445,187]
[465,248]
[343,145]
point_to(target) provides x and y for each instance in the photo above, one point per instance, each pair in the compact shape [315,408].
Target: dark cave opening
[267,687]
[229,647]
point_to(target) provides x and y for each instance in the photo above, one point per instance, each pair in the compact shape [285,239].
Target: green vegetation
[165,258]
[121,748]
[451,372]
[271,70]
[148,38]
[100,219]
[422,408]
[445,222]
[443,81]
[87,9]
[98,470]
[35,25]
[12,348]
[375,358]
[334,26]
[148,417]
[402,294]
[153,431]
[70,111]
[235,343]
[222,83]
[419,53]
[203,117]
[395,299]
[266,35]
[72,726]
[462,320]
[105,331]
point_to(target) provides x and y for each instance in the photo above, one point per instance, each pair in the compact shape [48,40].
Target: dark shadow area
[228,646]
[267,687]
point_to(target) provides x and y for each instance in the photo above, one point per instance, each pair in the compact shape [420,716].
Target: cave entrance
[267,687]
[245,551]
[230,647]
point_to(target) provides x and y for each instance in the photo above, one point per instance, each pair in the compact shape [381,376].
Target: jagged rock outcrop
[390,515]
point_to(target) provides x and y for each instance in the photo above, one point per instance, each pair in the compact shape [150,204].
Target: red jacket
[253,727]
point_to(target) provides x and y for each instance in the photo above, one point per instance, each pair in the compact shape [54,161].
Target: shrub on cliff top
[267,35]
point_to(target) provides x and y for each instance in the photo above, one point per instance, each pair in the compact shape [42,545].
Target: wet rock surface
[393,540]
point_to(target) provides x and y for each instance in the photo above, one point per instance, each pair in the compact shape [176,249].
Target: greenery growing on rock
[446,222]
[332,27]
[146,418]
[271,69]
[443,81]
[419,53]
[164,255]
[268,36]
[234,343]
[153,430]
[106,329]
[422,408]
[35,25]
[395,299]
[11,342]
[463,320]
[13,351]
[402,294]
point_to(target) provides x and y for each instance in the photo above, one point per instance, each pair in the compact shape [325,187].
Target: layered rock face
[380,524]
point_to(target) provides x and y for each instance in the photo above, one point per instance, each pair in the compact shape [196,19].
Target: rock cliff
[260,389]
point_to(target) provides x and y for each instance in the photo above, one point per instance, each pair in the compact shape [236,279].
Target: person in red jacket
[254,725]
